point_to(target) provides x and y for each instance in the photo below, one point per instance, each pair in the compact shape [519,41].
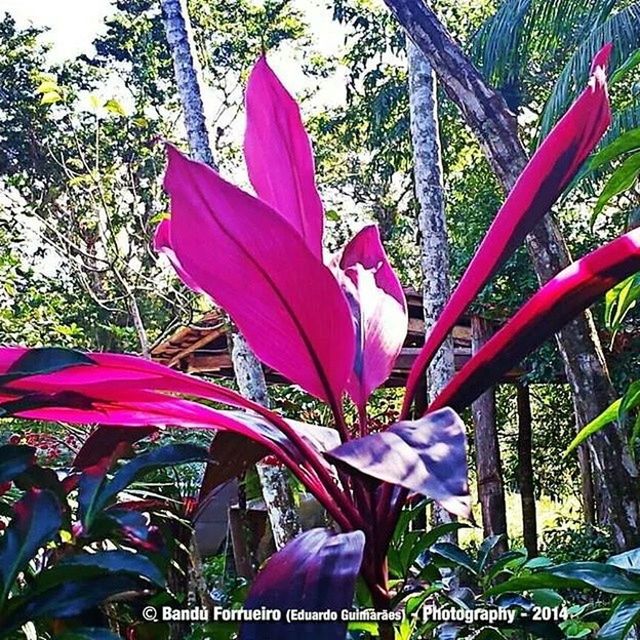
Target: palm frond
[522,31]
[621,28]
[496,45]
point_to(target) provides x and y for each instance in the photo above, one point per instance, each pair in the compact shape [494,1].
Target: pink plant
[333,326]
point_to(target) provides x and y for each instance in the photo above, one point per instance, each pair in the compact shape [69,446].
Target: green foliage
[569,540]
[57,565]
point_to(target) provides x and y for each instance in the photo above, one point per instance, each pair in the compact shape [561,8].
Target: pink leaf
[560,300]
[379,309]
[162,244]
[549,171]
[279,155]
[252,262]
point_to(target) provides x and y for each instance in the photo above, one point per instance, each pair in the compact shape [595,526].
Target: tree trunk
[488,465]
[525,472]
[486,112]
[429,189]
[247,368]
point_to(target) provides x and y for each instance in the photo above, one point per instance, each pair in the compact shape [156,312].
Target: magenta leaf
[40,361]
[279,156]
[316,571]
[162,244]
[260,271]
[427,456]
[561,299]
[549,171]
[379,310]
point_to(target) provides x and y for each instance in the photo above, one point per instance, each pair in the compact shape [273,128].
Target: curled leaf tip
[601,59]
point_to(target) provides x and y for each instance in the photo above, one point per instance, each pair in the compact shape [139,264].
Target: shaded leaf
[621,621]
[316,572]
[37,519]
[427,456]
[14,460]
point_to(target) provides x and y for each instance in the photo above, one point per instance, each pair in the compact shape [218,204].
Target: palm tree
[521,45]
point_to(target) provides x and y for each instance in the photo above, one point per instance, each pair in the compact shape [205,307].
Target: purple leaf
[561,299]
[279,156]
[427,456]
[260,271]
[549,171]
[316,571]
[104,440]
[379,310]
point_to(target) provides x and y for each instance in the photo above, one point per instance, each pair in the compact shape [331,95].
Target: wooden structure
[202,349]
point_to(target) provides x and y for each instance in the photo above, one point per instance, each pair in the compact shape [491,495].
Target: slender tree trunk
[488,464]
[429,188]
[486,112]
[248,371]
[525,471]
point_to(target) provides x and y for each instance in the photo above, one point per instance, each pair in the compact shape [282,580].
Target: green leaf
[604,577]
[332,214]
[38,517]
[546,598]
[608,415]
[621,179]
[537,563]
[620,622]
[50,98]
[631,63]
[629,560]
[619,301]
[507,562]
[484,553]
[115,107]
[575,575]
[626,142]
[48,86]
[456,555]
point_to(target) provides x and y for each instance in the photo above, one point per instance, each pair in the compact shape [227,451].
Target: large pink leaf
[254,264]
[560,300]
[279,155]
[427,456]
[549,171]
[379,310]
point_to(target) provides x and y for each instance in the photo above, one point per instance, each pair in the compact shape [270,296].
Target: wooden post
[488,465]
[525,471]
